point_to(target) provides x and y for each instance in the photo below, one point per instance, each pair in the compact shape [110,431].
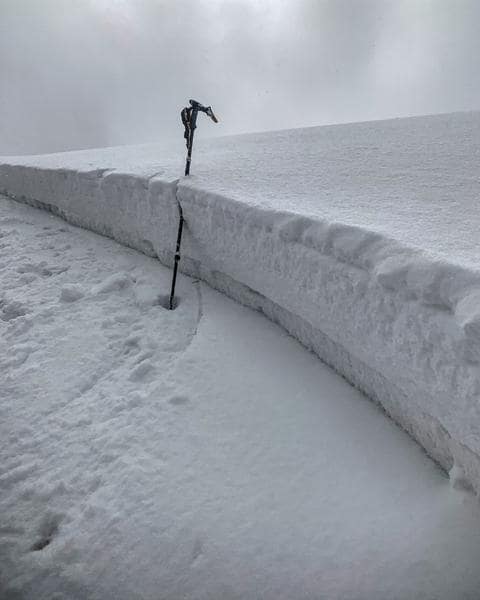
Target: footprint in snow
[116,282]
[12,310]
[132,344]
[178,400]
[141,371]
[47,530]
[71,293]
[27,278]
[41,269]
[197,550]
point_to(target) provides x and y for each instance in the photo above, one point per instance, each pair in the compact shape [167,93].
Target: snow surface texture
[361,240]
[200,454]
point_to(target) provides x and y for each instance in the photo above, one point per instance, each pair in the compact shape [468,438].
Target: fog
[85,73]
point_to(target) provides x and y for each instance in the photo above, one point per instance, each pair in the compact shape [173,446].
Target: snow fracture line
[198,287]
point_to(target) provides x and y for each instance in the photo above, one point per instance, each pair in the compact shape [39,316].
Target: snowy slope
[359,239]
[199,454]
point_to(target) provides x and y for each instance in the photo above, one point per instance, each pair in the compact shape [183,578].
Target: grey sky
[83,73]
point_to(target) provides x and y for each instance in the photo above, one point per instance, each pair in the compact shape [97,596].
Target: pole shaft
[177,258]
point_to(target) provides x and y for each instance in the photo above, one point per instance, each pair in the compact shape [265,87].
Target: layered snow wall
[399,323]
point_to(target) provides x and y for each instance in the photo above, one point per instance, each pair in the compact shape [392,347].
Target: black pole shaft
[177,257]
[189,155]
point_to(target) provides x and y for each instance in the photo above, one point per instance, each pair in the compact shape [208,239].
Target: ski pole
[189,120]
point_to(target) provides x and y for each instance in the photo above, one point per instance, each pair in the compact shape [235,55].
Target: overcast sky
[85,73]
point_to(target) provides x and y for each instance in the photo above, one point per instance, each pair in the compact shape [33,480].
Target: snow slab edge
[398,323]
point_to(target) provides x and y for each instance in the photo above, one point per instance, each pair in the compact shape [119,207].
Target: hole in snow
[40,544]
[164,300]
[48,529]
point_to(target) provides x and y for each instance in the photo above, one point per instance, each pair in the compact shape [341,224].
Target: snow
[360,240]
[200,453]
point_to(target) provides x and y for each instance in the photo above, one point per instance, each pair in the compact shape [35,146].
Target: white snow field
[200,454]
[361,240]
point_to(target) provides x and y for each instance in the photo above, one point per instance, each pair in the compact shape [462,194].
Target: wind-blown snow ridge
[400,321]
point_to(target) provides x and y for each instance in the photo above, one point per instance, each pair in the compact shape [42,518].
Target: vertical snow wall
[397,323]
